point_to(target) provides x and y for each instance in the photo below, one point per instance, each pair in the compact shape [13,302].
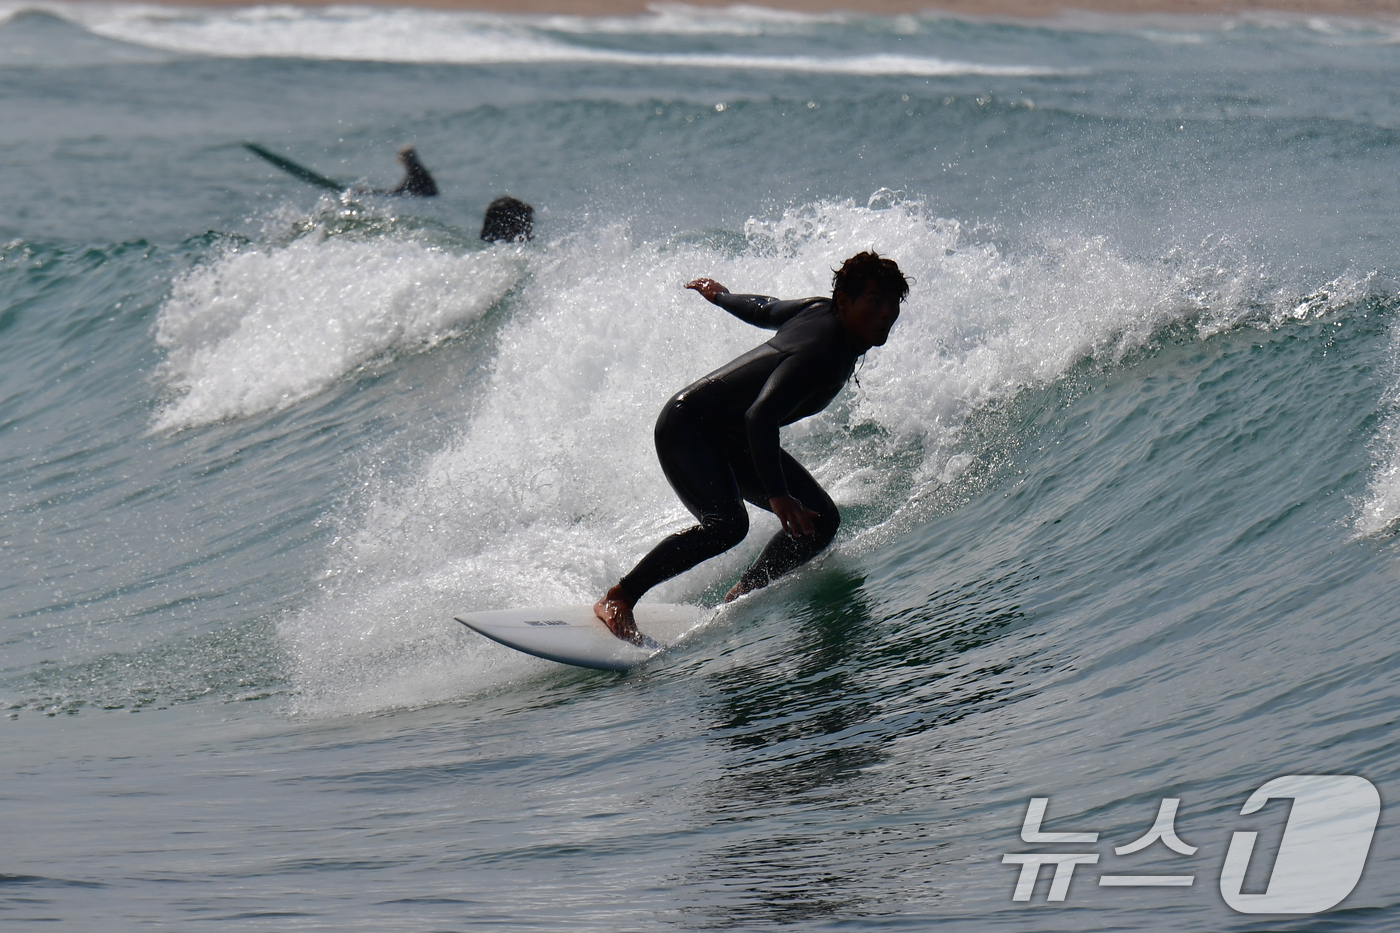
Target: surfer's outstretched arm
[708,288]
[758,310]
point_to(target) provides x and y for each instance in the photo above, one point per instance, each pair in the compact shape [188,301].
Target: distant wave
[369,33]
[434,37]
[853,65]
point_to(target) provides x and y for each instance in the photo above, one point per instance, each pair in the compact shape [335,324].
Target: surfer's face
[868,318]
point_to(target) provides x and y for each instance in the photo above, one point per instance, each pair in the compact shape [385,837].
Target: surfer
[508,220]
[417,183]
[717,439]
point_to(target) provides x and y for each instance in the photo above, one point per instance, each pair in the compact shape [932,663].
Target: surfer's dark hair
[508,220]
[863,268]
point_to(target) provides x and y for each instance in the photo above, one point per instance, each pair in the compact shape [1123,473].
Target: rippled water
[1119,495]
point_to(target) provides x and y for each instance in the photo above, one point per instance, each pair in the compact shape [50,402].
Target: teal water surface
[1119,496]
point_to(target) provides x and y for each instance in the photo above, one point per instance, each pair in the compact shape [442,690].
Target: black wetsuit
[417,183]
[718,440]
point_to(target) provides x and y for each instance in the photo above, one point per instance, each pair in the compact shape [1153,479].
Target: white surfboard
[574,635]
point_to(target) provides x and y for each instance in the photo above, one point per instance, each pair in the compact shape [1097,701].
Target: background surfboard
[295,169]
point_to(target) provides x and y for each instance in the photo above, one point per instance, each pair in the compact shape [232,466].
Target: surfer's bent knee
[674,422]
[825,526]
[727,530]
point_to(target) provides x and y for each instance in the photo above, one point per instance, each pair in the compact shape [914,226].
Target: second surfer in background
[717,439]
[417,183]
[508,220]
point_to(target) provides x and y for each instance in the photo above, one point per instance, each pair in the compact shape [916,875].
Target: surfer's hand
[796,517]
[707,287]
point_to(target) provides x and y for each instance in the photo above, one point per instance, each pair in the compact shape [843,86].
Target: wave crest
[551,491]
[260,329]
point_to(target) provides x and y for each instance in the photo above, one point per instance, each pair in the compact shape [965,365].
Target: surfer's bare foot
[616,612]
[741,588]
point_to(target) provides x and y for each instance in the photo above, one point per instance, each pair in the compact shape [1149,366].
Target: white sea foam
[680,19]
[371,33]
[1380,508]
[263,328]
[356,33]
[552,490]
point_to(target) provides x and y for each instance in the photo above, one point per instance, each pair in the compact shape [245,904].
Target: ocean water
[1120,495]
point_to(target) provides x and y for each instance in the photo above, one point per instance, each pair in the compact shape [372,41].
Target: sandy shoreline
[1020,9]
